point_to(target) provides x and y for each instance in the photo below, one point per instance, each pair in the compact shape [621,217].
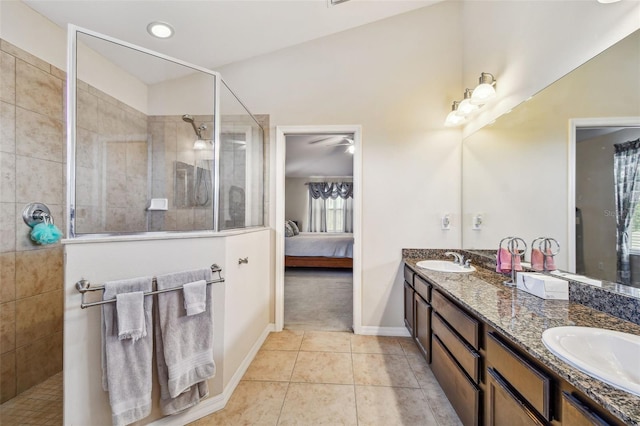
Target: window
[634,226]
[335,214]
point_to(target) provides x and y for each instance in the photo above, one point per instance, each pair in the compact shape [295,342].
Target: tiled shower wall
[32,154]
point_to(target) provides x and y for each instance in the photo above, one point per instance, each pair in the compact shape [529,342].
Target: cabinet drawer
[409,308]
[504,406]
[468,358]
[577,413]
[463,394]
[466,326]
[408,275]
[422,287]
[526,379]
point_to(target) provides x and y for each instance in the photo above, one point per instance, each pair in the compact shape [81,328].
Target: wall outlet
[446,221]
[476,222]
[601,266]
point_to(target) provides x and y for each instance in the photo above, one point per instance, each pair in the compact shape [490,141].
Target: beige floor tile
[285,340]
[440,405]
[386,406]
[326,341]
[409,346]
[275,366]
[383,370]
[323,367]
[375,345]
[252,403]
[319,404]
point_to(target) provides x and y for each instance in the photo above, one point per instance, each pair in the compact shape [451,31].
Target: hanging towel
[195,297]
[184,342]
[503,261]
[549,262]
[127,364]
[130,313]
[537,260]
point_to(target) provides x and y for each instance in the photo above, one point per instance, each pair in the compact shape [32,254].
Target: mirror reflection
[526,174]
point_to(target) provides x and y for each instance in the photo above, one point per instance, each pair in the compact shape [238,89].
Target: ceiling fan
[337,140]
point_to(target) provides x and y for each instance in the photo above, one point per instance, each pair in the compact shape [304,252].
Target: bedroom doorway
[318,228]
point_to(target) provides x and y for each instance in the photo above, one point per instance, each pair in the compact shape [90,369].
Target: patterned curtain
[626,161]
[319,193]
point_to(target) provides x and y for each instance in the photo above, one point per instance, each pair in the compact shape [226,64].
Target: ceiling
[212,33]
[317,156]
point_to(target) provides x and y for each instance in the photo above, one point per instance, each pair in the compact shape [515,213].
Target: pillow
[294,227]
[288,232]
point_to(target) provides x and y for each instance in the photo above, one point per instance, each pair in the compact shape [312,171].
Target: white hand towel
[195,297]
[184,344]
[127,364]
[130,312]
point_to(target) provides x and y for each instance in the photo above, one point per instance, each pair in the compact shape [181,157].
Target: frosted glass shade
[482,94]
[466,107]
[453,119]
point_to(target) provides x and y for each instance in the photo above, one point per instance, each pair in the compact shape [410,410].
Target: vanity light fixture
[453,119]
[160,29]
[485,90]
[466,107]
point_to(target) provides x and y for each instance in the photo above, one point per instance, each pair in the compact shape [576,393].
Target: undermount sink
[610,356]
[444,266]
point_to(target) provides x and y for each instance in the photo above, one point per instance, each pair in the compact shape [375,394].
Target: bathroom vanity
[483,341]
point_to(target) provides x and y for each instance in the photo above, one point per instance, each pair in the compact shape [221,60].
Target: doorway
[345,140]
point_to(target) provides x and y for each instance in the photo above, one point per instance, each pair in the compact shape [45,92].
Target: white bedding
[319,244]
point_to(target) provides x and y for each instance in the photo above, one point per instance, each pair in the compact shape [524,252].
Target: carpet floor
[318,299]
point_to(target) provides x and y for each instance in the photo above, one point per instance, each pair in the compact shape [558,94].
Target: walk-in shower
[158,145]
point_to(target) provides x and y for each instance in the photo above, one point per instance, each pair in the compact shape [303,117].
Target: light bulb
[160,29]
[453,119]
[485,91]
[466,107]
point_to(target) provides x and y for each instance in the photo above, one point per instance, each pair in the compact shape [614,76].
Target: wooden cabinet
[417,310]
[408,308]
[422,324]
[576,412]
[505,407]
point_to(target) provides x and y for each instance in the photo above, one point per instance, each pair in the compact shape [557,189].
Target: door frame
[281,133]
[574,125]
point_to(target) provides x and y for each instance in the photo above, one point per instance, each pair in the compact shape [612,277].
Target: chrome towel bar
[83,286]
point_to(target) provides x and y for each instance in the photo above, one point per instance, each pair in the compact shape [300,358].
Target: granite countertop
[523,317]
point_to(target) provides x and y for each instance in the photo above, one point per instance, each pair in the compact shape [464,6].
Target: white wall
[27,29]
[529,44]
[239,320]
[393,77]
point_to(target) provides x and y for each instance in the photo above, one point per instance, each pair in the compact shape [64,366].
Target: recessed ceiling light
[160,29]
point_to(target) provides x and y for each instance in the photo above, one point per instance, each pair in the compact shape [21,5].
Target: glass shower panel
[144,141]
[241,153]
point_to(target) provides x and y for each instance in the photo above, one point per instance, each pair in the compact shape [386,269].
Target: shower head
[189,119]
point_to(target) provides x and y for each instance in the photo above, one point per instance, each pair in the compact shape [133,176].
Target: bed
[319,250]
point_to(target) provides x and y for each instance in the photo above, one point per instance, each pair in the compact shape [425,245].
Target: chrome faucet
[459,259]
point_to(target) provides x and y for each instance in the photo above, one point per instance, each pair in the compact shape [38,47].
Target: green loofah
[45,233]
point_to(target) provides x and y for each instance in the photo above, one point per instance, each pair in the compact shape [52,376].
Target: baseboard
[382,331]
[218,402]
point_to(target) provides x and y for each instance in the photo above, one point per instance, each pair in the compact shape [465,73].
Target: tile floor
[40,405]
[336,378]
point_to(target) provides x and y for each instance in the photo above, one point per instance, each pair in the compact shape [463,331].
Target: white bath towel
[130,313]
[195,297]
[185,343]
[127,364]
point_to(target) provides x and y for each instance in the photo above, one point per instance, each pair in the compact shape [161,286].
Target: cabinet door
[408,308]
[422,326]
[504,407]
[578,413]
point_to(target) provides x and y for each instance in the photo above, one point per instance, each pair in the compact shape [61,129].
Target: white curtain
[333,199]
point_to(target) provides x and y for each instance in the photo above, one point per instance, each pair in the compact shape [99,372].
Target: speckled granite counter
[523,317]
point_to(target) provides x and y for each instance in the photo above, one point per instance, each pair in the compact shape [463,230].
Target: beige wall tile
[38,361]
[38,91]
[116,188]
[116,161]
[137,159]
[203,219]
[39,136]
[25,56]
[7,78]
[7,177]
[185,220]
[7,277]
[7,376]
[38,180]
[88,186]
[38,316]
[7,327]
[88,152]
[89,220]
[7,227]
[116,220]
[87,110]
[111,120]
[38,271]
[57,72]
[7,127]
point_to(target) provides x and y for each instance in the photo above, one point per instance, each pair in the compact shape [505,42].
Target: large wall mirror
[546,169]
